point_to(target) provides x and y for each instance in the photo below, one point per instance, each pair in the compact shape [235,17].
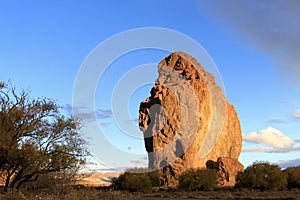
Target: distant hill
[97,178]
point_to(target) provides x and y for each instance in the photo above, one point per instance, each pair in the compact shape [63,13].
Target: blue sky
[254,44]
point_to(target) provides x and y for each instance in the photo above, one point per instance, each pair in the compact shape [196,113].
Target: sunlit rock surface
[188,123]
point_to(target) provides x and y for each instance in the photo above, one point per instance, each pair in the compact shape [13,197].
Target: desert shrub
[154,178]
[136,180]
[293,177]
[262,175]
[200,179]
[50,183]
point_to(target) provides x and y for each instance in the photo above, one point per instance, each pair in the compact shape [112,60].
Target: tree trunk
[27,179]
[7,182]
[8,179]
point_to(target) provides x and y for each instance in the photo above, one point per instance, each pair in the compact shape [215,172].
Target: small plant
[200,179]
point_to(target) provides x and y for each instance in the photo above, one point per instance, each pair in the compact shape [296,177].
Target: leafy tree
[293,177]
[262,175]
[35,138]
[200,179]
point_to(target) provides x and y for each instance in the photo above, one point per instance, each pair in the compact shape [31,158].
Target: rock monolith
[188,123]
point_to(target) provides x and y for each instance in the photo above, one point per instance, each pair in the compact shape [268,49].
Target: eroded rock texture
[188,123]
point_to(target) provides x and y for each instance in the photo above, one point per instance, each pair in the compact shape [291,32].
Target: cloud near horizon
[139,162]
[275,139]
[297,140]
[272,150]
[87,115]
[289,163]
[296,113]
[272,27]
[275,121]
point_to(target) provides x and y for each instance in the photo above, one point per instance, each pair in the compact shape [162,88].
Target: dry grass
[225,194]
[71,195]
[93,194]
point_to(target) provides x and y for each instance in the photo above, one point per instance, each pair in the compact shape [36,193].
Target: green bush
[293,177]
[200,179]
[136,180]
[262,175]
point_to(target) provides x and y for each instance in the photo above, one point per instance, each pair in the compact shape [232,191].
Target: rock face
[227,169]
[188,123]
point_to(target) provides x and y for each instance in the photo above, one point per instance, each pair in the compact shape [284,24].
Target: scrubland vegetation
[41,151]
[261,180]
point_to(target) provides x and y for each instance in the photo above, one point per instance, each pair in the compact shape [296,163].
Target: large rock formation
[188,123]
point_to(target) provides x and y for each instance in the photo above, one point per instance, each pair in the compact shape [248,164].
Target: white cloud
[289,163]
[104,124]
[271,137]
[296,113]
[272,150]
[94,166]
[275,121]
[141,163]
[88,115]
[289,103]
[297,140]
